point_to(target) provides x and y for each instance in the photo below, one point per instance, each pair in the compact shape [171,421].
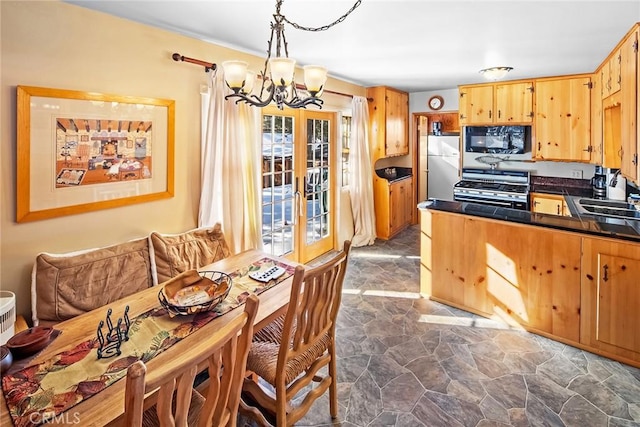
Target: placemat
[39,392]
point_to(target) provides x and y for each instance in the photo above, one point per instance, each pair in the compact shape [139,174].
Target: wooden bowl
[6,359]
[30,341]
[194,291]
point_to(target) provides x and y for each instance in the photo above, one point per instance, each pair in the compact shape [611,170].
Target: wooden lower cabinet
[553,204]
[524,275]
[394,206]
[578,289]
[611,297]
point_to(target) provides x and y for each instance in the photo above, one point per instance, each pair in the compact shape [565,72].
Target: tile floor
[408,361]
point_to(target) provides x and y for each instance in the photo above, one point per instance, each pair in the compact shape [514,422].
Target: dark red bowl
[30,341]
[6,359]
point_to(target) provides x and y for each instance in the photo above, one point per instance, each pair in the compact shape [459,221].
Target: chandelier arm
[324,27]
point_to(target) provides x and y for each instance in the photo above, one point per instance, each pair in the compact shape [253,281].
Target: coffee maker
[599,183]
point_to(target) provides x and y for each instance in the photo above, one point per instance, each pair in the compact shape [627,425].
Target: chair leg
[333,387]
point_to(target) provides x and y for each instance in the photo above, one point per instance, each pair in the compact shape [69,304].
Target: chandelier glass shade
[495,73]
[278,76]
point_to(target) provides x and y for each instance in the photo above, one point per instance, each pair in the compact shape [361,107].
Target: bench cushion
[176,253]
[66,285]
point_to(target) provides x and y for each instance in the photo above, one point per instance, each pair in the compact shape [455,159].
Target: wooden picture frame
[73,156]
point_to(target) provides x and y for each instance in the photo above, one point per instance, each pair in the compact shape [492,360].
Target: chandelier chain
[324,27]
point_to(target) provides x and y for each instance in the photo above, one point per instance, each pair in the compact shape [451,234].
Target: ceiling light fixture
[280,87]
[495,73]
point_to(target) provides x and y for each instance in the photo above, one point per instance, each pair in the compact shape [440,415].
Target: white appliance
[616,185]
[439,166]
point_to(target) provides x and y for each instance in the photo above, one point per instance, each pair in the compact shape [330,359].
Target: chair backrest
[313,306]
[228,347]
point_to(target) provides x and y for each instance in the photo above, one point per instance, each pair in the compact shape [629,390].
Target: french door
[298,182]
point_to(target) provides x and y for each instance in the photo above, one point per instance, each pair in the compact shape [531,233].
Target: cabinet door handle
[558,206]
[499,113]
[489,113]
[539,146]
[605,273]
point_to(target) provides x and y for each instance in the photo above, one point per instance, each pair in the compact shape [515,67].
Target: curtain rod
[210,66]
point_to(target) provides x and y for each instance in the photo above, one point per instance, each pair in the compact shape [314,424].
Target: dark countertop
[596,226]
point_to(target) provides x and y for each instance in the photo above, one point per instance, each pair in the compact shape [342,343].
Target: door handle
[605,273]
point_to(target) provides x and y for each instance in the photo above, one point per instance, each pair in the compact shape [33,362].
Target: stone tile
[319,414]
[605,399]
[384,369]
[443,351]
[628,389]
[512,341]
[537,357]
[457,369]
[409,420]
[487,349]
[350,368]
[430,340]
[518,417]
[539,414]
[634,411]
[597,370]
[346,347]
[462,352]
[491,423]
[494,411]
[518,365]
[407,351]
[365,403]
[385,419]
[468,390]
[430,414]
[492,368]
[510,391]
[578,411]
[618,422]
[373,346]
[559,369]
[402,393]
[577,357]
[468,414]
[635,372]
[547,391]
[431,375]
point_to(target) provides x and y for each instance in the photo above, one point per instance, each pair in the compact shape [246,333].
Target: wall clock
[436,102]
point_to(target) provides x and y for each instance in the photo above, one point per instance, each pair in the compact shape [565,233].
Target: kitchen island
[567,278]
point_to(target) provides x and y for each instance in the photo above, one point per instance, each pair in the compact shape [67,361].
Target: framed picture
[76,153]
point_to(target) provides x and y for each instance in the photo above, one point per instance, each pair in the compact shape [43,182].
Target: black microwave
[497,139]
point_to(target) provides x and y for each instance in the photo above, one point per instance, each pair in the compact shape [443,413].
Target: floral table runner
[39,392]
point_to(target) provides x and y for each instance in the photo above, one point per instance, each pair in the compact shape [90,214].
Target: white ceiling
[412,45]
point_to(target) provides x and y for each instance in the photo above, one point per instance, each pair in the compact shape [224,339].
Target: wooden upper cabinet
[476,104]
[514,102]
[629,107]
[597,154]
[496,103]
[562,125]
[610,72]
[389,117]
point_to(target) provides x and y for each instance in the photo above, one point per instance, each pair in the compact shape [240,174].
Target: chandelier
[278,75]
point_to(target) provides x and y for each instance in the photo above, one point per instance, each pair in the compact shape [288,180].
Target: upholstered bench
[69,284]
[66,285]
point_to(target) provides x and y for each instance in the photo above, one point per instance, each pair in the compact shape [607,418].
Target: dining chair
[178,404]
[289,353]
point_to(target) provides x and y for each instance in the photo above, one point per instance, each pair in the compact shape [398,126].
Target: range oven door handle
[485,201]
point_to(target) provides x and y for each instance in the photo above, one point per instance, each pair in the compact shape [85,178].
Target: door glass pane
[277,184]
[317,180]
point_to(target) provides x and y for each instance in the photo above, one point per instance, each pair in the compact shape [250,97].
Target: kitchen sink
[607,208]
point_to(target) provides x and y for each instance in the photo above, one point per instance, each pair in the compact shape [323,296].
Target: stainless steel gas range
[503,188]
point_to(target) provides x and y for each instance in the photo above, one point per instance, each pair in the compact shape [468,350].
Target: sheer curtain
[361,176]
[230,167]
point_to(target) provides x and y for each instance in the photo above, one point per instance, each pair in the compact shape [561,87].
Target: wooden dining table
[107,406]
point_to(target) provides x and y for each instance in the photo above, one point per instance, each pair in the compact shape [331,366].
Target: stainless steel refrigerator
[439,166]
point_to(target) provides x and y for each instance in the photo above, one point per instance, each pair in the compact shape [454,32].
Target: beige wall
[57,45]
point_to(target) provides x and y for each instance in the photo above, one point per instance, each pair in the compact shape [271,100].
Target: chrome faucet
[614,179]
